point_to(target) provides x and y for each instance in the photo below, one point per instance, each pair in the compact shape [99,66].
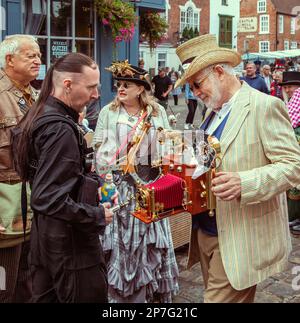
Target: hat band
[189,60]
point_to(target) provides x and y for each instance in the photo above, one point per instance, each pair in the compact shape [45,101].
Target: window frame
[160,60]
[49,38]
[286,45]
[292,45]
[260,24]
[281,24]
[293,25]
[261,3]
[261,45]
[183,16]
[226,18]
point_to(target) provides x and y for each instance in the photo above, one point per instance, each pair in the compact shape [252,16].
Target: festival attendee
[247,240]
[291,86]
[20,60]
[162,87]
[141,260]
[66,255]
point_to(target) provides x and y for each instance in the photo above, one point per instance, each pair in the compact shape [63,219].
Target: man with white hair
[247,240]
[266,74]
[20,60]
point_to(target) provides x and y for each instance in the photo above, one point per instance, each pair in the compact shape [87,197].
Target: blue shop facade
[72,26]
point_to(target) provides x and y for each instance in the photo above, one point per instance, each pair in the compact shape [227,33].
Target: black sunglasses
[125,85]
[197,85]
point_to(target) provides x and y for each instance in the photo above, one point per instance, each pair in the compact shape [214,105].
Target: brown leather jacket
[12,109]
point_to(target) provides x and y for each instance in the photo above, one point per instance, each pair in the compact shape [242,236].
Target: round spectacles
[124,84]
[197,84]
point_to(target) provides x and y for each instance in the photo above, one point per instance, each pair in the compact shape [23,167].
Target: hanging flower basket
[119,16]
[153,28]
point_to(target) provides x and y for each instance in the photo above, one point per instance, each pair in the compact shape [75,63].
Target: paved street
[276,289]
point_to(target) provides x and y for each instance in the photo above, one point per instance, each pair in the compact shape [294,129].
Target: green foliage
[189,33]
[153,28]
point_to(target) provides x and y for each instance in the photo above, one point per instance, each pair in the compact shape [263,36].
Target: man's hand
[2,229]
[108,213]
[227,186]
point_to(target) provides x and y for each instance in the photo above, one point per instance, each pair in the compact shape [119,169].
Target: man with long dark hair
[66,254]
[20,60]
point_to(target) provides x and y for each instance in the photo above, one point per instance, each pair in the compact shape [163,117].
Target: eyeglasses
[197,85]
[124,84]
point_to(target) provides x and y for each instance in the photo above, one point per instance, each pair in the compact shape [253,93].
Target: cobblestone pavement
[276,289]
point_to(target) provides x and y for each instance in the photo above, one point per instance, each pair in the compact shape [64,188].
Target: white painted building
[224,18]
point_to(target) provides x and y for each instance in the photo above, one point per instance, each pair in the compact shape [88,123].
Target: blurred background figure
[276,89]
[266,74]
[254,79]
[192,104]
[162,87]
[176,91]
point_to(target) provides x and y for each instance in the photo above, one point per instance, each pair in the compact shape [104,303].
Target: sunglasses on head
[124,84]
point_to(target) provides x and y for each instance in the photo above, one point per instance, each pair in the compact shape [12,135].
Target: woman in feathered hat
[141,260]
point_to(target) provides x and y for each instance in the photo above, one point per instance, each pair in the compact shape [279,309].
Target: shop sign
[247,25]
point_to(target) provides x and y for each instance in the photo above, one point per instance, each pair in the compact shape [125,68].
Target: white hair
[226,67]
[11,45]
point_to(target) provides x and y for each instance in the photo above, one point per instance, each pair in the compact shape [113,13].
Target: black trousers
[17,277]
[88,285]
[192,106]
[175,96]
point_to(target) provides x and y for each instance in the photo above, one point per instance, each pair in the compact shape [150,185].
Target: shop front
[72,26]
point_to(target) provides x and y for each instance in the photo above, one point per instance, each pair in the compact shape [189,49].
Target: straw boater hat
[201,52]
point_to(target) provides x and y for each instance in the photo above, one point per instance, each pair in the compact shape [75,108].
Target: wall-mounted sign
[247,25]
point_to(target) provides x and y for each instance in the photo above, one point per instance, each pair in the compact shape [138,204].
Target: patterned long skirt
[140,257]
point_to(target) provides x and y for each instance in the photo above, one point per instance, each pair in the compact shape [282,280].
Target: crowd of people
[66,245]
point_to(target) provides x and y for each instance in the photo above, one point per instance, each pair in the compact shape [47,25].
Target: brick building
[219,17]
[187,14]
[268,25]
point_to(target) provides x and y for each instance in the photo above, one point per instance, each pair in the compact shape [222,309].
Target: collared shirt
[221,114]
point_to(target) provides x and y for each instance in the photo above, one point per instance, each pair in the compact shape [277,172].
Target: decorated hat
[123,71]
[200,52]
[290,78]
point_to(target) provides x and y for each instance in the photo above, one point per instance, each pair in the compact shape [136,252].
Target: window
[281,24]
[294,45]
[161,60]
[264,46]
[189,16]
[286,45]
[264,24]
[224,2]
[261,6]
[225,32]
[60,27]
[142,55]
[293,25]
